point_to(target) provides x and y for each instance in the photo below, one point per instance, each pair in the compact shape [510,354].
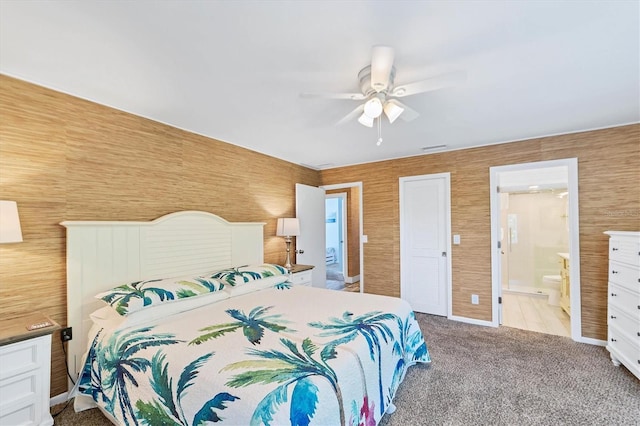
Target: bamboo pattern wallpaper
[609,198]
[63,158]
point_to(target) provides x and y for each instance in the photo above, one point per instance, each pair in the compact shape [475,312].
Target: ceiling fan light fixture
[373,108]
[392,111]
[365,120]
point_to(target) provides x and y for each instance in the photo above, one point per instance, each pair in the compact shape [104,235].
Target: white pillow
[241,275]
[107,317]
[144,294]
[255,285]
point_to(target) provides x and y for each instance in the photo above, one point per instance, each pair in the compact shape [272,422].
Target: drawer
[625,250]
[21,415]
[18,390]
[626,349]
[301,278]
[624,275]
[626,324]
[19,357]
[625,300]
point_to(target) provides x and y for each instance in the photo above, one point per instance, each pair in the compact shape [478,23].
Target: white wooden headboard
[103,254]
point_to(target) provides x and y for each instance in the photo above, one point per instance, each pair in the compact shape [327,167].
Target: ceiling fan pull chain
[379,131]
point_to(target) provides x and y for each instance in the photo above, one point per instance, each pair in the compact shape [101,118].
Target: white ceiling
[234,70]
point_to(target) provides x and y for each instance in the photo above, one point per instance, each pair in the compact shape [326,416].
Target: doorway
[534,222]
[535,241]
[310,245]
[336,231]
[353,242]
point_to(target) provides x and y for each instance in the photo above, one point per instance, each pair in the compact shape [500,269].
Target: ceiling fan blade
[430,84]
[381,65]
[353,114]
[350,96]
[409,113]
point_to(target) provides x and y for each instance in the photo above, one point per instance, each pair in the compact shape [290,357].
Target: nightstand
[301,275]
[25,367]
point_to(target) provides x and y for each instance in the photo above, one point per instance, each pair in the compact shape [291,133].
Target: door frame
[447,198]
[344,226]
[574,239]
[361,216]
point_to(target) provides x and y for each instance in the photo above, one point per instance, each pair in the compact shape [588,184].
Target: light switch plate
[456,239]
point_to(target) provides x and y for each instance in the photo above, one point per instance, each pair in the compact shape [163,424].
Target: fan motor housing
[364,76]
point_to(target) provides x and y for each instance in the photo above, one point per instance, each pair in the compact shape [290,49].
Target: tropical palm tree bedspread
[281,355]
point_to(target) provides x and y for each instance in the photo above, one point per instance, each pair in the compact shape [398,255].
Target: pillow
[107,317]
[245,274]
[255,285]
[134,296]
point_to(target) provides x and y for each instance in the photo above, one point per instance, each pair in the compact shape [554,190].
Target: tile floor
[532,312]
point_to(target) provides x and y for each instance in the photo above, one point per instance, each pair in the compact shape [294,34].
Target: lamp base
[287,263]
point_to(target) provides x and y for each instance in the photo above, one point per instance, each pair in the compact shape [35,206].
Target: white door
[424,242]
[310,244]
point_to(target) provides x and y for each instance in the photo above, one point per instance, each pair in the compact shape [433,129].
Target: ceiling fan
[378,90]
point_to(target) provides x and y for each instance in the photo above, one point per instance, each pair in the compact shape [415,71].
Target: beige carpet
[498,376]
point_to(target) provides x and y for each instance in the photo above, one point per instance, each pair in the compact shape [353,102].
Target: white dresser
[25,358]
[623,313]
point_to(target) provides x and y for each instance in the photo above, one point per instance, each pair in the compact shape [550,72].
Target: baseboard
[471,321]
[352,280]
[59,399]
[591,341]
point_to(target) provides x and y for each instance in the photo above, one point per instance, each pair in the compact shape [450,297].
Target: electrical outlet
[475,299]
[66,334]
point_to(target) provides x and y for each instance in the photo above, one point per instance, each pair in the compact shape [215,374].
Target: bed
[193,327]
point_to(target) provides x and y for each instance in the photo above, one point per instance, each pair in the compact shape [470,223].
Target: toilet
[551,283]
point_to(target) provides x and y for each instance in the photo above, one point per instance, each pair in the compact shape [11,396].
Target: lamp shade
[288,227]
[10,231]
[373,108]
[365,120]
[392,110]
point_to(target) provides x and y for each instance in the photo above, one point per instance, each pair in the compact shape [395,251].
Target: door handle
[299,251]
[444,254]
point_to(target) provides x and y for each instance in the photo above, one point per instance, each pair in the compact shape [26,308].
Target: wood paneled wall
[609,198]
[63,158]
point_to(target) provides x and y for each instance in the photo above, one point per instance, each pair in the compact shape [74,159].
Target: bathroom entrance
[535,244]
[534,214]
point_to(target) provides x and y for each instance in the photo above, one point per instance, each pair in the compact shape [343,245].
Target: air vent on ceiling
[433,147]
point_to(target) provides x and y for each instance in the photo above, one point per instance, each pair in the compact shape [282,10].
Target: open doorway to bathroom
[535,244]
[335,239]
[343,217]
[534,216]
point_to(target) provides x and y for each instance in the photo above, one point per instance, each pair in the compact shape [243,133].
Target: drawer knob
[613,317]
